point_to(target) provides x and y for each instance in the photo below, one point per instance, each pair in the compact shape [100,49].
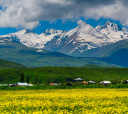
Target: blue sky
[68,25]
[59,14]
[58,24]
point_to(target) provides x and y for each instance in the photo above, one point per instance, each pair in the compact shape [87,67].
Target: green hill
[31,57]
[7,65]
[105,51]
[62,74]
[92,66]
[116,53]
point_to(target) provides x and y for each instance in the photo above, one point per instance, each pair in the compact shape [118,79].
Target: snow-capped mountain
[113,31]
[85,37]
[31,39]
[73,42]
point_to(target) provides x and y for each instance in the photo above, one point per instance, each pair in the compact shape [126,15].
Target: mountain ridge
[34,57]
[83,41]
[74,42]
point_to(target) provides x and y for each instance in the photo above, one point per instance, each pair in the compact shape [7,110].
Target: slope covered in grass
[7,65]
[47,75]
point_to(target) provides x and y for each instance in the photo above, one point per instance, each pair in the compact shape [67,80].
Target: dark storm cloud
[94,2]
[75,8]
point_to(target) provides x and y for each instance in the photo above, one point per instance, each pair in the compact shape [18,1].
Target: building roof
[85,82]
[30,84]
[106,82]
[92,82]
[22,84]
[53,84]
[78,79]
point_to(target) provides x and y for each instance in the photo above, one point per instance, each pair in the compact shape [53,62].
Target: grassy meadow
[10,65]
[46,75]
[64,101]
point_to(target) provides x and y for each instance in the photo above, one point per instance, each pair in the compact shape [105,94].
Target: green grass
[92,66]
[47,75]
[10,65]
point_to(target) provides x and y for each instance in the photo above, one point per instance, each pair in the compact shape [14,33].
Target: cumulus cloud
[28,13]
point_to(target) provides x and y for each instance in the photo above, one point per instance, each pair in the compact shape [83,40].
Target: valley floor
[55,101]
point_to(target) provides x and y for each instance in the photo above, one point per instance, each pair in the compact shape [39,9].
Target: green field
[47,75]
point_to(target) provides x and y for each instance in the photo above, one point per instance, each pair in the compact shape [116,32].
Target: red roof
[85,82]
[51,84]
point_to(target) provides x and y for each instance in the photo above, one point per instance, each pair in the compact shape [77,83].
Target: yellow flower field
[64,101]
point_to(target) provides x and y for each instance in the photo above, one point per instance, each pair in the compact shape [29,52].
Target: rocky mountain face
[73,42]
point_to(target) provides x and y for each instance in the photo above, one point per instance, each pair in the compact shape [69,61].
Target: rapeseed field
[64,101]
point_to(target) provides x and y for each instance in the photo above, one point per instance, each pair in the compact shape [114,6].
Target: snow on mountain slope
[76,41]
[101,35]
[113,31]
[85,37]
[98,37]
[31,39]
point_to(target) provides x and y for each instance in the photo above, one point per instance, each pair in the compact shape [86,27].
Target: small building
[79,80]
[12,85]
[91,82]
[22,84]
[105,82]
[30,85]
[84,82]
[53,84]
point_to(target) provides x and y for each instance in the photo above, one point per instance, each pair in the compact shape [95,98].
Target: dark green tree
[22,77]
[27,79]
[36,79]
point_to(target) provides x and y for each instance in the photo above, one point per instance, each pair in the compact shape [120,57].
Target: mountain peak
[52,31]
[29,31]
[109,22]
[110,26]
[81,24]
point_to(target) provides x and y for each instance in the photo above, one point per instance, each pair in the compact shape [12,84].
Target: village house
[30,85]
[84,82]
[53,84]
[22,84]
[91,82]
[79,80]
[105,82]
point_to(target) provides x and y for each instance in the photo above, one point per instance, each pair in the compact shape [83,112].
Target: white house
[79,79]
[105,82]
[92,82]
[22,84]
[30,85]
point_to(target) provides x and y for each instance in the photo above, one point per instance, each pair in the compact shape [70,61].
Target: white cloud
[80,22]
[28,13]
[117,11]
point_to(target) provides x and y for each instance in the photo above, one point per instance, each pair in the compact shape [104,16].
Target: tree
[22,77]
[27,79]
[36,79]
[124,81]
